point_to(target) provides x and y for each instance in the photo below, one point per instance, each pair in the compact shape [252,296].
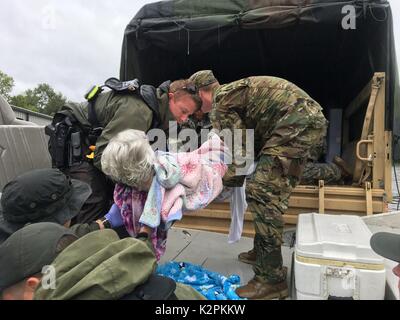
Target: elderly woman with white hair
[154,189]
[129,159]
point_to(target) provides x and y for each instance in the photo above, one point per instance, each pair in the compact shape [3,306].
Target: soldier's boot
[346,172]
[259,289]
[248,257]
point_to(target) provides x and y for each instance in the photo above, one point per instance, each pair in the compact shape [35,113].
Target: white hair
[129,159]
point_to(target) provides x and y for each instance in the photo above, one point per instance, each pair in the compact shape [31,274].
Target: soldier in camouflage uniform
[287,122]
[336,172]
[314,171]
[333,173]
[329,172]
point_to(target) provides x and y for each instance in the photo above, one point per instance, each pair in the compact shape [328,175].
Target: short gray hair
[129,159]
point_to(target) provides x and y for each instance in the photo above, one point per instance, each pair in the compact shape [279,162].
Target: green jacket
[118,112]
[100,266]
[122,111]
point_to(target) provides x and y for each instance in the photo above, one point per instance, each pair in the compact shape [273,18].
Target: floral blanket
[183,182]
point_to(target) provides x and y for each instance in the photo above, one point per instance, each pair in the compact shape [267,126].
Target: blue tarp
[212,285]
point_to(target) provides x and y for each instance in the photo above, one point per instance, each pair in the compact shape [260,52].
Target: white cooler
[333,259]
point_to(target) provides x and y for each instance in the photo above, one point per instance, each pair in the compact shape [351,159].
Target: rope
[375,18]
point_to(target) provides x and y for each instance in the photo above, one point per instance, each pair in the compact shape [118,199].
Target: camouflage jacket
[278,111]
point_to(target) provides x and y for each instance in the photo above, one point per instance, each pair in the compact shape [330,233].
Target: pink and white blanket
[183,182]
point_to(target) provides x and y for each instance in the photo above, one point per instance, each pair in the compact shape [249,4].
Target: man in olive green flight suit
[287,122]
[117,112]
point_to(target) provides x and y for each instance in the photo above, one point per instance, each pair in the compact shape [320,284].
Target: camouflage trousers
[313,172]
[268,198]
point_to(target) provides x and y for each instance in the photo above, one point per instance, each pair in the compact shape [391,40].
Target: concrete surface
[212,251]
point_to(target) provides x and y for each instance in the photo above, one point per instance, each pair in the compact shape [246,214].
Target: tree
[41,99]
[48,101]
[6,85]
[25,101]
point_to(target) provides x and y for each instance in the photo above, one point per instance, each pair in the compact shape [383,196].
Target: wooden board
[370,124]
[388,166]
[353,107]
[379,147]
[304,199]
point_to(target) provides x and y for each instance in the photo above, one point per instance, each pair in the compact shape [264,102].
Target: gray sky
[69,44]
[72,44]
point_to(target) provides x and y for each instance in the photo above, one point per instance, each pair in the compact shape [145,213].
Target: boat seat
[23,145]
[7,115]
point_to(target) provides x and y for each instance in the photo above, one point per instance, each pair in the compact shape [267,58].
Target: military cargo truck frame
[351,71]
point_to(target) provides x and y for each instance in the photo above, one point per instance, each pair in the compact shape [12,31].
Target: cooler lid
[335,237]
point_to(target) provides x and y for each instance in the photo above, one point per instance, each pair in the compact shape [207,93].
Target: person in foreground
[47,195]
[388,246]
[46,261]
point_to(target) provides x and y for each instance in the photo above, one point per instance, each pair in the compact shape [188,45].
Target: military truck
[340,52]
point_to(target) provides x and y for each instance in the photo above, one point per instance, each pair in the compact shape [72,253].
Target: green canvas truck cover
[303,41]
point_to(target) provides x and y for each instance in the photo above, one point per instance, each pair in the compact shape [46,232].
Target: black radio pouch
[66,140]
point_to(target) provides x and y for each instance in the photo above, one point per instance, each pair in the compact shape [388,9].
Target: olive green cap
[28,250]
[203,78]
[386,245]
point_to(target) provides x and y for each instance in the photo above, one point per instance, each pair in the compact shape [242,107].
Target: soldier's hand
[230,179]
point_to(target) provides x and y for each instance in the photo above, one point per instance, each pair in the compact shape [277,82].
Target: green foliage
[25,101]
[43,98]
[47,100]
[6,85]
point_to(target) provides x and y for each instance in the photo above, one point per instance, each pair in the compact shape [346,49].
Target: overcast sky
[72,44]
